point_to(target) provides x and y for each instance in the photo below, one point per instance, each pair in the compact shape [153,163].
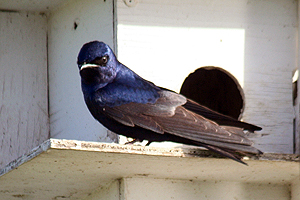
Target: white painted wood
[161,189]
[69,116]
[91,170]
[297,106]
[31,5]
[23,84]
[26,157]
[295,189]
[109,192]
[256,41]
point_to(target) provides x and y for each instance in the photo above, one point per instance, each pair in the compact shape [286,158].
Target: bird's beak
[88,66]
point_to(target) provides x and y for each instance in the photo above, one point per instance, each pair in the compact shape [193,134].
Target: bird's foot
[133,141]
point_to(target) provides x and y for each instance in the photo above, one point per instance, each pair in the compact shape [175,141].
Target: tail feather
[225,152]
[229,153]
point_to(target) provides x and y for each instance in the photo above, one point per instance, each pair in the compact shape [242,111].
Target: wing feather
[195,127]
[129,117]
[167,115]
[119,116]
[218,117]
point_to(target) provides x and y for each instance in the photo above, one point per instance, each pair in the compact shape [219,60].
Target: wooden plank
[31,5]
[138,188]
[23,84]
[76,170]
[69,116]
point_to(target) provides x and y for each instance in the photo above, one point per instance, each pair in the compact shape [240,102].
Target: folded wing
[167,115]
[218,117]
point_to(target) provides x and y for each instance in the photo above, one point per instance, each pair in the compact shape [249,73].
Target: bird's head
[97,64]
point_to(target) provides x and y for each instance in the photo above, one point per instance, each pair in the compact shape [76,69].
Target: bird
[129,105]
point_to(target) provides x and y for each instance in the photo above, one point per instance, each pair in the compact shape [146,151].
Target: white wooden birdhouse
[240,58]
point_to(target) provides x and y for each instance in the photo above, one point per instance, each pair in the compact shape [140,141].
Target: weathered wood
[70,26]
[77,170]
[23,84]
[297,100]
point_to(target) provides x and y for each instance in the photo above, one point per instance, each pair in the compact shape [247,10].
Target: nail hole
[75,25]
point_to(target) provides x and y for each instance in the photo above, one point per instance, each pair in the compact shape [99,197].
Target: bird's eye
[100,60]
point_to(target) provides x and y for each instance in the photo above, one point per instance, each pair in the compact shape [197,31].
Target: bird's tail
[229,153]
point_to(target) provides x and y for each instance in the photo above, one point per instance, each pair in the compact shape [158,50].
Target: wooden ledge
[63,167]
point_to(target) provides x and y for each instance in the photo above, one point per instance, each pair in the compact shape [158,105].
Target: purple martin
[129,105]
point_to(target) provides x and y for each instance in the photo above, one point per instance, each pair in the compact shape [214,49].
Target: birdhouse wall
[163,41]
[23,83]
[39,42]
[70,26]
[256,41]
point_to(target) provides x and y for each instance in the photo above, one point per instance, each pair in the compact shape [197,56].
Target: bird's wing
[143,115]
[215,116]
[221,119]
[167,115]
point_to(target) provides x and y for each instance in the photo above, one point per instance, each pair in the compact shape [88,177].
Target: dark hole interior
[215,88]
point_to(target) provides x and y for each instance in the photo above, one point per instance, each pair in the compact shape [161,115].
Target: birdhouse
[239,58]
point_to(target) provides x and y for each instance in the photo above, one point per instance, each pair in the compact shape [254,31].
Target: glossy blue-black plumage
[118,85]
[128,105]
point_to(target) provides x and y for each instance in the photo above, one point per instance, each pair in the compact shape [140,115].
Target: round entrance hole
[216,89]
